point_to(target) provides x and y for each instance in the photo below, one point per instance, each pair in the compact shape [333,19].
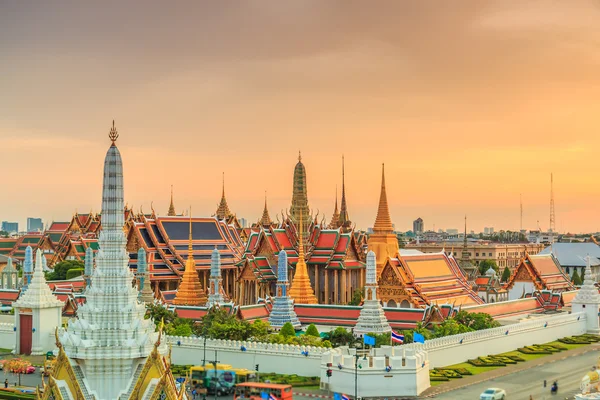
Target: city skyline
[468,107]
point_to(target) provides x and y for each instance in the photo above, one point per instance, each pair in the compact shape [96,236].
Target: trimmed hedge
[9,395]
[74,272]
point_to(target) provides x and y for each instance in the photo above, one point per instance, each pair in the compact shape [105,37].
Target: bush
[287,330]
[312,331]
[74,272]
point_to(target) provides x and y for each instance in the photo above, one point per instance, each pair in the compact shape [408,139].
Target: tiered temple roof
[165,240]
[329,248]
[425,279]
[544,271]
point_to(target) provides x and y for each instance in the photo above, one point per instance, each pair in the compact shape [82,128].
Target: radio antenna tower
[552,216]
[521,199]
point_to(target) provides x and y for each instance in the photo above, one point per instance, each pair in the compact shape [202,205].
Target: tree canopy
[487,264]
[60,270]
[576,279]
[505,275]
[312,331]
[356,297]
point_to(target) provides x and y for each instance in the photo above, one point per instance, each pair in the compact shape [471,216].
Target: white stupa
[110,340]
[372,318]
[587,300]
[37,314]
[215,292]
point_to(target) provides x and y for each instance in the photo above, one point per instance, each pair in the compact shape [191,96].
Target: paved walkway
[509,369]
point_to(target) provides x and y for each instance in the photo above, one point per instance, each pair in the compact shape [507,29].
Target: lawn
[527,357]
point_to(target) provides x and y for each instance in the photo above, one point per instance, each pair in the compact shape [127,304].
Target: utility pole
[214,364]
[552,216]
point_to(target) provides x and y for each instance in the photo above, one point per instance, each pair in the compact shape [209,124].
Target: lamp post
[356,356]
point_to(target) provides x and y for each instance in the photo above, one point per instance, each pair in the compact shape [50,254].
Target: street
[521,385]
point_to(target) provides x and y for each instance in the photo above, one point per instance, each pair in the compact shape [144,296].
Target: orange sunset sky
[468,103]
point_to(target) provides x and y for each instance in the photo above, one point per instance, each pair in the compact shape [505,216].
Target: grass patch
[4,351]
[525,357]
[435,383]
[567,345]
[471,368]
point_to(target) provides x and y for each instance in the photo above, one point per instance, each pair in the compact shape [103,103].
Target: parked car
[30,369]
[493,394]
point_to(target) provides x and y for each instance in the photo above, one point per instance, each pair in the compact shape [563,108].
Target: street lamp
[356,357]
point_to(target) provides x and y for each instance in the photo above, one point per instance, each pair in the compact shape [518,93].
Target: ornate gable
[247,273]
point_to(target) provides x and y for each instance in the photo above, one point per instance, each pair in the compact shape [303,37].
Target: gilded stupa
[110,352]
[383,241]
[190,292]
[301,290]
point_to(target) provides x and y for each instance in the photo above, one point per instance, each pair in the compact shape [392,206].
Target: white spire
[371,268]
[588,292]
[38,294]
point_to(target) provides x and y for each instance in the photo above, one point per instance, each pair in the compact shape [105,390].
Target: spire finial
[190,248]
[383,221]
[299,156]
[113,134]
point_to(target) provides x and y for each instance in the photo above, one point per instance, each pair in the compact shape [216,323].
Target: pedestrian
[5,383]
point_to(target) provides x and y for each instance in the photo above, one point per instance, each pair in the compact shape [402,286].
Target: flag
[398,338]
[418,338]
[344,397]
[369,340]
[271,397]
[336,396]
[264,395]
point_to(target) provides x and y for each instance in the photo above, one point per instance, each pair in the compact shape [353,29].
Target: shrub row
[542,349]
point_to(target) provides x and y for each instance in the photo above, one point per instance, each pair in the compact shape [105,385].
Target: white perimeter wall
[448,350]
[279,358]
[7,336]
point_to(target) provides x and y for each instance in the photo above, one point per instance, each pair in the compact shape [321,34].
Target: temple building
[416,280]
[383,241]
[372,317]
[283,306]
[9,277]
[110,351]
[299,209]
[537,272]
[301,291]
[334,259]
[189,291]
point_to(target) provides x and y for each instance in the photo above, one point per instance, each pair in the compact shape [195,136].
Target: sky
[469,104]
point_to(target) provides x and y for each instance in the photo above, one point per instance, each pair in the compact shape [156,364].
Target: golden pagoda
[383,241]
[301,290]
[190,292]
[171,212]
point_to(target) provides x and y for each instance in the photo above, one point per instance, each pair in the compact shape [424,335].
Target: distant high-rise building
[10,227]
[488,231]
[243,222]
[418,226]
[452,231]
[34,225]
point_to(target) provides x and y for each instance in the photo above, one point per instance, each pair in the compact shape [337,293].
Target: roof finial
[113,134]
[190,248]
[171,212]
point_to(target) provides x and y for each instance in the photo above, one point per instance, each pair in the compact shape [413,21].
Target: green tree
[487,264]
[159,313]
[74,272]
[312,331]
[576,279]
[287,330]
[505,274]
[356,297]
[59,271]
[450,327]
[476,321]
[582,275]
[260,330]
[341,337]
[180,329]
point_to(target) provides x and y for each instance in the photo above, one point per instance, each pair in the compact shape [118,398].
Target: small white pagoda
[372,318]
[38,312]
